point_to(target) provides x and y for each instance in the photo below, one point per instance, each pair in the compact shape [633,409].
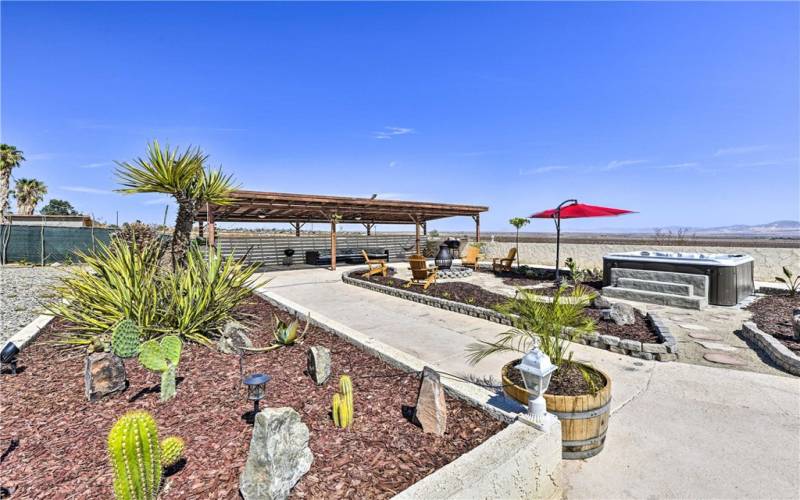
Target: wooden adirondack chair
[421,274]
[504,264]
[374,266]
[470,258]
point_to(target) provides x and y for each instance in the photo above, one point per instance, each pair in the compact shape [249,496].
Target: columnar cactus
[163,357]
[136,457]
[342,407]
[171,450]
[125,339]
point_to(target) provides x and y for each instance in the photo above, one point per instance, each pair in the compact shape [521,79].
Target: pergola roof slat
[255,206]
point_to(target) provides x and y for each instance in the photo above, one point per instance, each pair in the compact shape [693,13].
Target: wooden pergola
[301,209]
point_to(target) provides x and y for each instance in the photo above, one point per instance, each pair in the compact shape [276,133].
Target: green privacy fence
[48,244]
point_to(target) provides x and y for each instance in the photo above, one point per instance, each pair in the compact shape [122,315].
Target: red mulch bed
[773,315]
[642,330]
[467,293]
[62,437]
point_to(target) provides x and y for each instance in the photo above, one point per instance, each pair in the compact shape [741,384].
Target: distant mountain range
[778,228]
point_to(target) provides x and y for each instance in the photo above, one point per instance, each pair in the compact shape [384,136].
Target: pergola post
[416,225]
[333,244]
[211,227]
[368,226]
[477,219]
[425,229]
[200,228]
[297,226]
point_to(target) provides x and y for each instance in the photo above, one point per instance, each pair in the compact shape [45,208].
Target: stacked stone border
[666,350]
[772,348]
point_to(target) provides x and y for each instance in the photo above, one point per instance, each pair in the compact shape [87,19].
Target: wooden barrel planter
[584,418]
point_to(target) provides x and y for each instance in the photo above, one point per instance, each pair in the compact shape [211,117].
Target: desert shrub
[124,281]
[137,232]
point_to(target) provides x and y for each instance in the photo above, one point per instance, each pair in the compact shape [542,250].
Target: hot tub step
[665,299]
[681,289]
[699,282]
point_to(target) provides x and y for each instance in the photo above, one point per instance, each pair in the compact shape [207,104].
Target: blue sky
[687,113]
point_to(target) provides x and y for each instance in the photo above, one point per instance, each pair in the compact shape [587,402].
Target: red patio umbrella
[571,209]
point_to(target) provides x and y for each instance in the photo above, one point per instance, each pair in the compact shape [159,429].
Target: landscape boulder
[601,302]
[279,455]
[233,338]
[622,314]
[319,364]
[796,323]
[431,410]
[103,374]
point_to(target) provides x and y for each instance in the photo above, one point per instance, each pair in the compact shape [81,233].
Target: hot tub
[730,276]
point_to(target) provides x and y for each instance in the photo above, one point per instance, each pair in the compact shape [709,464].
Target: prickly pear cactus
[171,450]
[136,457]
[151,356]
[171,347]
[168,383]
[125,339]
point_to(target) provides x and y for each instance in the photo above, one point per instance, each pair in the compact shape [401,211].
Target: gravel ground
[22,291]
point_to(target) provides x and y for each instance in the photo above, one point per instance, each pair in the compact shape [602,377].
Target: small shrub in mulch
[773,315]
[61,451]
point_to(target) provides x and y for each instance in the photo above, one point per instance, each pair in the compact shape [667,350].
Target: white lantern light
[536,370]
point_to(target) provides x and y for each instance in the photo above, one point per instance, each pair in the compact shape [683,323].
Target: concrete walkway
[677,430]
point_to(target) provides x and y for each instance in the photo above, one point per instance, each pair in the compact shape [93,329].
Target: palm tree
[28,192]
[183,176]
[10,157]
[519,223]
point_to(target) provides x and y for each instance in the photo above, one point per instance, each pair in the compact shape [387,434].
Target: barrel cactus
[163,357]
[125,339]
[342,406]
[136,457]
[171,451]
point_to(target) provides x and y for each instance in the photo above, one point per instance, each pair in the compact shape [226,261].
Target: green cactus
[342,407]
[136,457]
[171,451]
[125,339]
[163,357]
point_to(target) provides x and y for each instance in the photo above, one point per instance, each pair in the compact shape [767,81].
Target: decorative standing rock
[622,314]
[796,323]
[233,338]
[279,455]
[319,364]
[431,410]
[103,374]
[601,302]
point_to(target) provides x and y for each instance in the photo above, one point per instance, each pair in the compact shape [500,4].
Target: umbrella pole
[558,245]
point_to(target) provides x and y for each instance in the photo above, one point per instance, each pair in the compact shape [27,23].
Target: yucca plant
[118,281]
[554,323]
[791,281]
[203,295]
[123,281]
[181,174]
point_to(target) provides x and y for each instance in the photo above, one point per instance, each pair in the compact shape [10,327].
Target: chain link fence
[47,244]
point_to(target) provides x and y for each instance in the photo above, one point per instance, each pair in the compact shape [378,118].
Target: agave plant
[791,281]
[554,323]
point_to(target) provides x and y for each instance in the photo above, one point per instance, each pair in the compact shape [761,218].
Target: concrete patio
[677,430]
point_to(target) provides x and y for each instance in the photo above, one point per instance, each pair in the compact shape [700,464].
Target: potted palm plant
[579,394]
